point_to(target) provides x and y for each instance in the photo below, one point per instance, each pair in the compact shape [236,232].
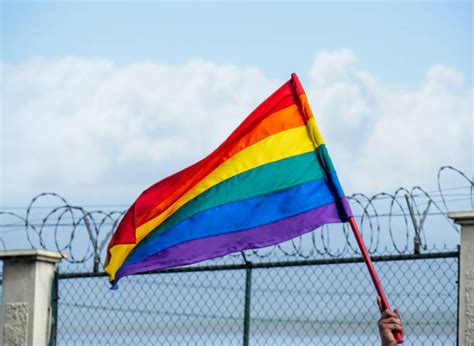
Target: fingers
[394,327]
[387,314]
[390,320]
[400,319]
[391,323]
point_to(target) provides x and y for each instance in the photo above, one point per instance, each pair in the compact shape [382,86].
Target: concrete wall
[466,277]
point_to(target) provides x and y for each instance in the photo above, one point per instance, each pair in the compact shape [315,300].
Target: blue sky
[99,101]
[137,85]
[396,42]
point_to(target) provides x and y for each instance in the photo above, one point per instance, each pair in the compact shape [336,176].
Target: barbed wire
[83,234]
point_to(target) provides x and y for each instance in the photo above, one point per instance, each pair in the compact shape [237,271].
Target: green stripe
[259,181]
[324,159]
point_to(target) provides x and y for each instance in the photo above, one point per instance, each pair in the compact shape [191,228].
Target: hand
[389,323]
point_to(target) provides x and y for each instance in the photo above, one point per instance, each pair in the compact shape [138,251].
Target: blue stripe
[238,216]
[337,185]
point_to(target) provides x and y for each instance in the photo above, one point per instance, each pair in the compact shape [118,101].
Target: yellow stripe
[118,253]
[282,145]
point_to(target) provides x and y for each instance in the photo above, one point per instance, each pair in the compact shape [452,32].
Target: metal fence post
[248,295]
[466,277]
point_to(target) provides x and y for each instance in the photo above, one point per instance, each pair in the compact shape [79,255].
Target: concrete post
[466,277]
[27,283]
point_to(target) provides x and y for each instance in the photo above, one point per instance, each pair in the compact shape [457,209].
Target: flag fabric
[270,181]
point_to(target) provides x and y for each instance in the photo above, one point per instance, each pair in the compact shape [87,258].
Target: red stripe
[298,88]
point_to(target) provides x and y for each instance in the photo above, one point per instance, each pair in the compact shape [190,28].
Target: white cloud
[382,138]
[92,130]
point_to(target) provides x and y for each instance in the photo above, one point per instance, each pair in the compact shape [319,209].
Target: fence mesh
[308,303]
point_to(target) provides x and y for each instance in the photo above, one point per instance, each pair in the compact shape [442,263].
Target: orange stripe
[285,119]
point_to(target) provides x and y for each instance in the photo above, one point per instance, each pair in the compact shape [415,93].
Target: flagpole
[373,274]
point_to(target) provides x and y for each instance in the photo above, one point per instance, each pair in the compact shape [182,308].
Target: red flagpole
[373,274]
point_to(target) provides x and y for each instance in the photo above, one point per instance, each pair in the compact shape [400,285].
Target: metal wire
[384,219]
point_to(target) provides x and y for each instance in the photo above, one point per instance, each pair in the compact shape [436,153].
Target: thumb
[379,303]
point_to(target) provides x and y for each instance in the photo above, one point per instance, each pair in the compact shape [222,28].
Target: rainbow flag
[270,181]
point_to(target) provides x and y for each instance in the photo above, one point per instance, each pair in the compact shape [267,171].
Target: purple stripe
[257,237]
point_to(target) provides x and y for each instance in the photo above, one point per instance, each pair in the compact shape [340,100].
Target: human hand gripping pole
[389,322]
[378,286]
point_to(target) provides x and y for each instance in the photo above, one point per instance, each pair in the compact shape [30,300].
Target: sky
[101,100]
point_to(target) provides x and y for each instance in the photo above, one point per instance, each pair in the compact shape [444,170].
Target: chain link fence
[309,302]
[313,290]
